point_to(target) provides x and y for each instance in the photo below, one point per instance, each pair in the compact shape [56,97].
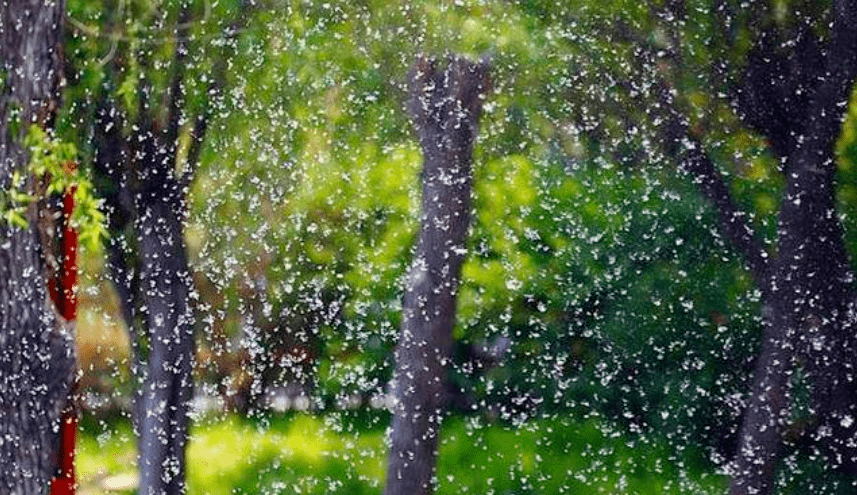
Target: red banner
[62,290]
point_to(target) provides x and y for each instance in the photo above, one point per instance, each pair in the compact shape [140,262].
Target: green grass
[558,456]
[340,454]
[300,455]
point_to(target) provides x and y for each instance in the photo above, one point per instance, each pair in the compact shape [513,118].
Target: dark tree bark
[445,106]
[797,101]
[36,355]
[811,295]
[165,290]
[146,210]
[145,203]
[146,255]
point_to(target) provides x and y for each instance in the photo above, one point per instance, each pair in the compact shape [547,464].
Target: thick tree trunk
[445,106]
[808,336]
[809,329]
[36,360]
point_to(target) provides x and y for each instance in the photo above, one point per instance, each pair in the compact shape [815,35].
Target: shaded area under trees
[792,87]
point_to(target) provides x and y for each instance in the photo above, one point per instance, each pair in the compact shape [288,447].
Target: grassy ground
[342,454]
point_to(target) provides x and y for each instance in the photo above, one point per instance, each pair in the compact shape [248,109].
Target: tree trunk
[166,287]
[146,210]
[146,206]
[808,331]
[445,107]
[36,359]
[810,328]
[796,100]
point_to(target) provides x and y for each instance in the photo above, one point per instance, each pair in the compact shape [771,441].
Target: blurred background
[606,332]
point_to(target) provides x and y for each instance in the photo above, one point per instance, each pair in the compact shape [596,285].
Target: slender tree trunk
[166,287]
[36,360]
[148,262]
[114,177]
[445,106]
[146,206]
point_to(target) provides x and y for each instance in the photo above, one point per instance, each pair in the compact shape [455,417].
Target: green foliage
[55,162]
[13,202]
[846,148]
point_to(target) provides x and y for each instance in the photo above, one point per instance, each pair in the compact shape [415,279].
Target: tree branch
[834,90]
[776,90]
[733,222]
[197,137]
[688,151]
[176,95]
[215,90]
[683,146]
[144,91]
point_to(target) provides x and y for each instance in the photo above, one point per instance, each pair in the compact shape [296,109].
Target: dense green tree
[791,83]
[786,76]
